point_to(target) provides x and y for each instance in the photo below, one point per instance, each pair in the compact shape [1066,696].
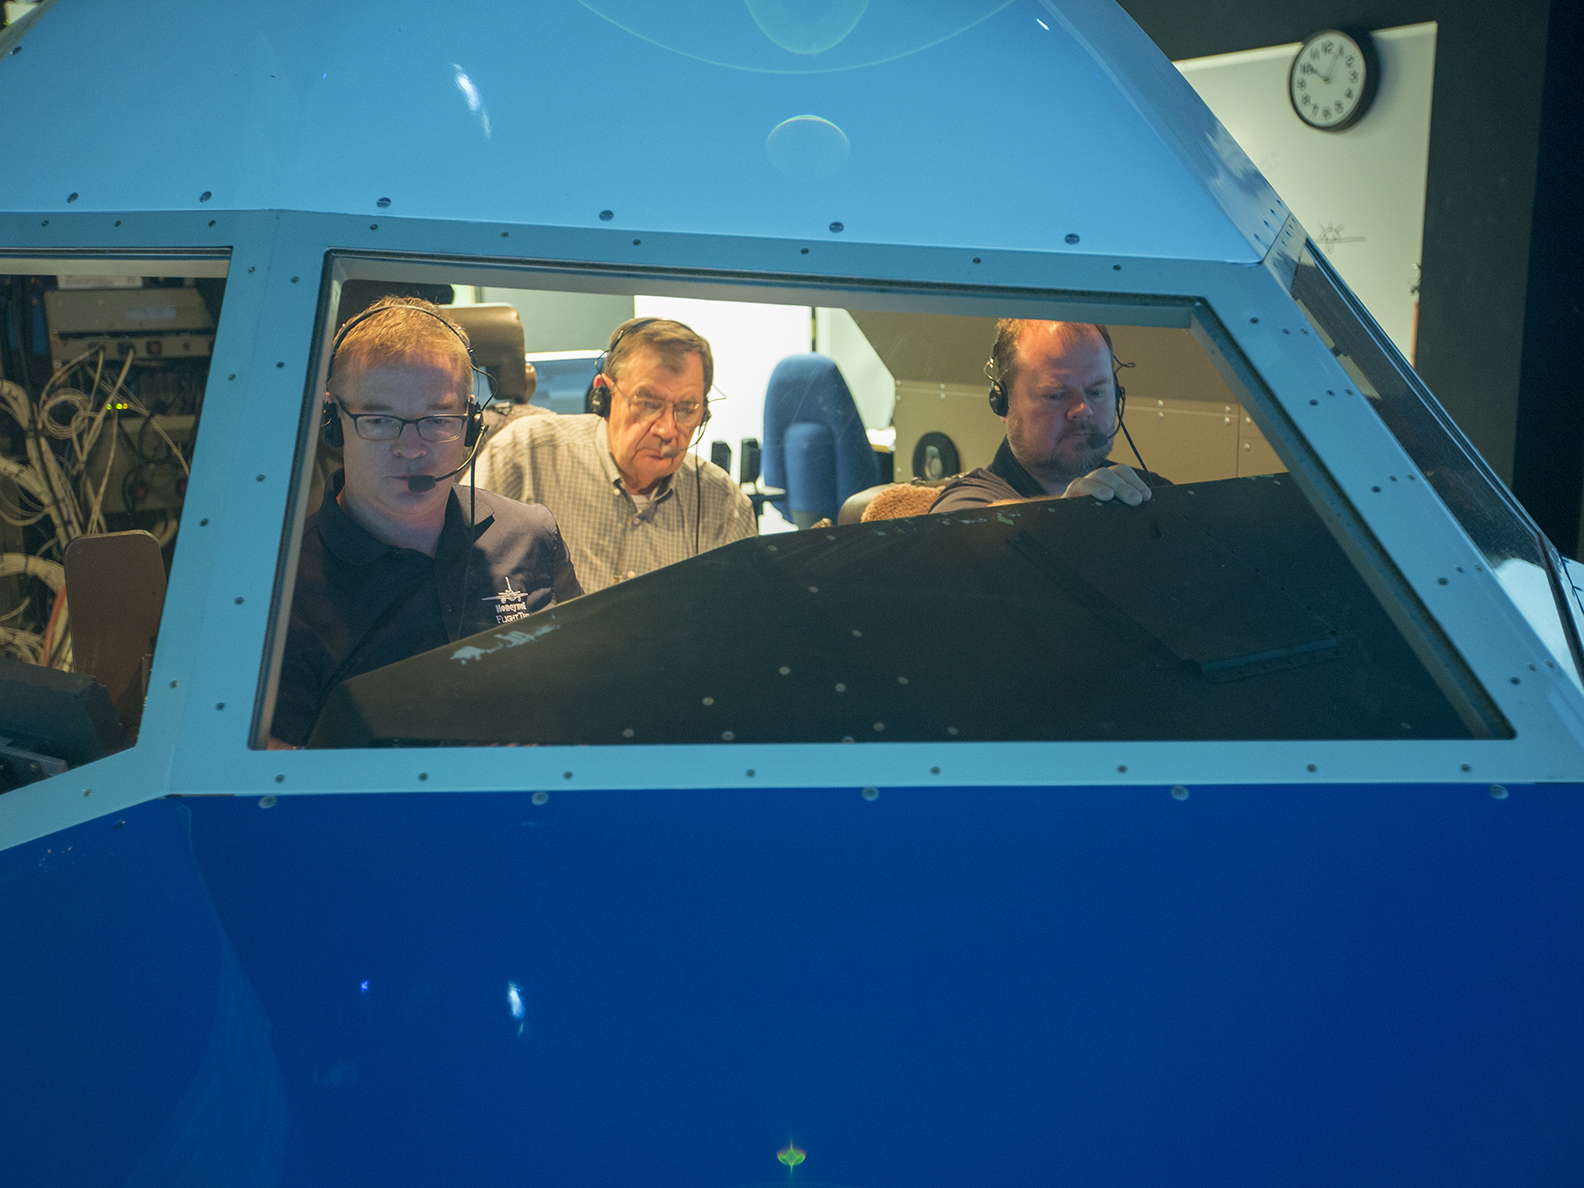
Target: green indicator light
[791,1156]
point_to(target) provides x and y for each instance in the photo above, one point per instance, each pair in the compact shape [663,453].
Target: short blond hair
[397,328]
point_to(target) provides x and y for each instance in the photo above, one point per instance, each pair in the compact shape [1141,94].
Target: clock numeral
[1348,94]
[1303,85]
[1353,77]
[1327,46]
[1325,113]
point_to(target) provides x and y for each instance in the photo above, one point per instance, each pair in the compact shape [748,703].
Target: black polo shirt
[360,604]
[1004,478]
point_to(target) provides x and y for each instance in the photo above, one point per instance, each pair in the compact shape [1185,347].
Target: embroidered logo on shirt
[509,604]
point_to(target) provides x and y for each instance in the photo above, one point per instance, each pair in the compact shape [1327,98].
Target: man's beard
[1097,447]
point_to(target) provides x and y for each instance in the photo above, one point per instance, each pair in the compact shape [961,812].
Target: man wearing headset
[621,480]
[394,563]
[1054,385]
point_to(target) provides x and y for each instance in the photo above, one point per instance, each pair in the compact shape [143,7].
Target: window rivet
[1179,792]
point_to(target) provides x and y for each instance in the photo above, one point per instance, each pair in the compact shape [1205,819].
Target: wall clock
[1333,80]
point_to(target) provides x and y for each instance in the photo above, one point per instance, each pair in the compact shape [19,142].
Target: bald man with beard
[1054,386]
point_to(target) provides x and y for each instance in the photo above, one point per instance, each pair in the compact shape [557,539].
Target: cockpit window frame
[1425,635]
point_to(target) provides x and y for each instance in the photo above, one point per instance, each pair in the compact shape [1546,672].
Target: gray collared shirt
[565,463]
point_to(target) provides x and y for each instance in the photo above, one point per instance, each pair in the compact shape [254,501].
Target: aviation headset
[999,397]
[599,403]
[600,394]
[330,422]
[998,389]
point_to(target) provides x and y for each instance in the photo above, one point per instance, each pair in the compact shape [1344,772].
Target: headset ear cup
[475,424]
[998,398]
[331,423]
[599,401]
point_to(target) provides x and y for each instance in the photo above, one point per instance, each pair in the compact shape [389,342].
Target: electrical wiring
[51,573]
[84,420]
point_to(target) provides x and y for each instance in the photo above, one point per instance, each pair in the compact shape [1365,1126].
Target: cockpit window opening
[813,581]
[103,368]
[1514,548]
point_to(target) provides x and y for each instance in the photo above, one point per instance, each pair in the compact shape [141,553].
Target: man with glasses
[620,480]
[394,563]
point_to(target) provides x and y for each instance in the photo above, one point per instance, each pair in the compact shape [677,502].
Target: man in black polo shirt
[394,563]
[1054,385]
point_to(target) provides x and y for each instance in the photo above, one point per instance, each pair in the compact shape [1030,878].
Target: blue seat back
[809,390]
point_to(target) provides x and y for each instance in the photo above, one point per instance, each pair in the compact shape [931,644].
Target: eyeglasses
[384,427]
[645,409]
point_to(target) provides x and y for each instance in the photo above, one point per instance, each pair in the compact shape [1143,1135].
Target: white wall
[1358,193]
[555,321]
[874,390]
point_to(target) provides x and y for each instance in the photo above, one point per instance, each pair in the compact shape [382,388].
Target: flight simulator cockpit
[716,591]
[845,580]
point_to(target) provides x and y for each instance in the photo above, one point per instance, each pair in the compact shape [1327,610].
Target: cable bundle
[61,433]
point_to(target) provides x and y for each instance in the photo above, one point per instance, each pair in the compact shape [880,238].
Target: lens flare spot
[807,146]
[807,26]
[791,1156]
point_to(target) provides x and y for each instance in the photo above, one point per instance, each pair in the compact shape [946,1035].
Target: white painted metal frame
[258,416]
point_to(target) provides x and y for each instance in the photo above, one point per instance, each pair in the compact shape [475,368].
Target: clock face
[1332,81]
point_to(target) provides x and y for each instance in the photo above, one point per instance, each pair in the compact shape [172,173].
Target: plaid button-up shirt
[565,463]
